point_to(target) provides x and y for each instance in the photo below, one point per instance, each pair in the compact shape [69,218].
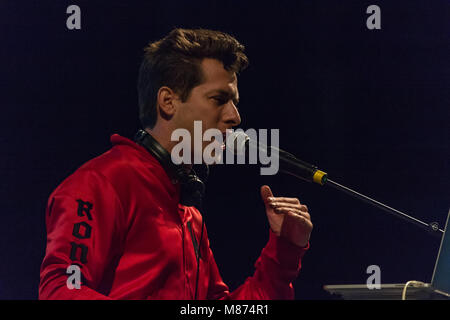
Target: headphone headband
[192,188]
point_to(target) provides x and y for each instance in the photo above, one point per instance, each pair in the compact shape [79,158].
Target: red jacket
[118,218]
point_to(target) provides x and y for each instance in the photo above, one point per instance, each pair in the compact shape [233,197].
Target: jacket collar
[149,161]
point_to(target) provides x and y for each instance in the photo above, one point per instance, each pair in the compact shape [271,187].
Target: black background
[370,107]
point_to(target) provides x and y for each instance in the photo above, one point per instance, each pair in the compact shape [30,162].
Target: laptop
[439,288]
[440,281]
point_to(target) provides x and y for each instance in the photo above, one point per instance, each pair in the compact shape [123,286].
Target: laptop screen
[441,274]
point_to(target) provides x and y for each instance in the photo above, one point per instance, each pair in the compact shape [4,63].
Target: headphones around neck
[192,187]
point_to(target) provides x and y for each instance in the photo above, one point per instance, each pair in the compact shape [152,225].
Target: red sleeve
[76,210]
[276,268]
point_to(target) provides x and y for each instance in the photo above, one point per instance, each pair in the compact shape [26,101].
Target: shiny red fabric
[136,241]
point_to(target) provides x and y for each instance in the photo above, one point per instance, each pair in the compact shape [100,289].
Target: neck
[162,135]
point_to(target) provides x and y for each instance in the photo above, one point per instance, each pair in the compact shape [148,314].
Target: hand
[287,217]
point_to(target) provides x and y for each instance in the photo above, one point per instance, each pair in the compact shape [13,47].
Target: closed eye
[220,100]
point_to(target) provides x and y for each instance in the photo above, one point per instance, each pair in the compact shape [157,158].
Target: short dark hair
[174,61]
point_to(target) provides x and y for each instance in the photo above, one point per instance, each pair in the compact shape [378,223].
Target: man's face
[213,102]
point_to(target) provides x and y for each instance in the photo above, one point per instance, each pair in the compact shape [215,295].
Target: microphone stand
[311,173]
[432,227]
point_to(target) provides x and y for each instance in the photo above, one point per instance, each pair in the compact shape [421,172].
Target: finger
[289,209]
[266,193]
[284,199]
[301,207]
[284,210]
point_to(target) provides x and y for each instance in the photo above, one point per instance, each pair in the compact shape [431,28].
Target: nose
[231,115]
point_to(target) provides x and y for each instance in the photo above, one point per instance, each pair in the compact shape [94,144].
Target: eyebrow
[226,93]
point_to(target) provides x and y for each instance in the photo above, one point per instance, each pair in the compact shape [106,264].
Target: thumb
[265,194]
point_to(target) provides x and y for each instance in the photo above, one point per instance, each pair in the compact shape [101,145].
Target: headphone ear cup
[192,191]
[192,187]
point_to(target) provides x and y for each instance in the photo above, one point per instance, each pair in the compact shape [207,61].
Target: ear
[167,102]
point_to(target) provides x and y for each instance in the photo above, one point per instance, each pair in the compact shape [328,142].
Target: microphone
[240,143]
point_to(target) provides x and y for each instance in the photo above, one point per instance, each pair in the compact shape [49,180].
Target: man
[119,217]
